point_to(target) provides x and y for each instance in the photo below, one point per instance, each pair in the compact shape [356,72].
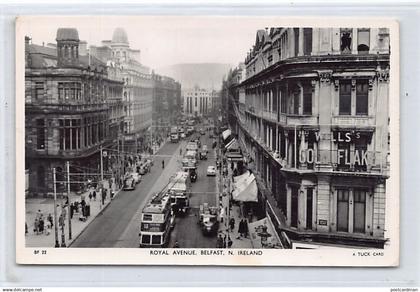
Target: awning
[232,145]
[242,177]
[235,156]
[263,226]
[246,190]
[226,134]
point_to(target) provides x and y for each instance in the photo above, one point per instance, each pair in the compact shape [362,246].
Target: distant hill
[205,75]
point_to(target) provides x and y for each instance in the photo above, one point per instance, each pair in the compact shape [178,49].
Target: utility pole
[55,210]
[102,166]
[68,196]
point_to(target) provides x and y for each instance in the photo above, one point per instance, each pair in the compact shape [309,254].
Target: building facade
[199,102]
[166,99]
[312,115]
[72,109]
[138,88]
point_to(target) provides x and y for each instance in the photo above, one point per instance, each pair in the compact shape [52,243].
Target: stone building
[138,88]
[68,99]
[314,123]
[166,99]
[198,101]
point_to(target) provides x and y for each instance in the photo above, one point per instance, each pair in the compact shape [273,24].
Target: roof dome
[67,34]
[119,36]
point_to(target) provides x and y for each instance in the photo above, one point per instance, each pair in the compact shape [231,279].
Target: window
[307,41]
[296,33]
[147,217]
[359,217]
[39,90]
[40,134]
[69,91]
[307,99]
[156,239]
[196,102]
[346,40]
[345,98]
[283,101]
[362,97]
[343,210]
[145,239]
[363,41]
[70,134]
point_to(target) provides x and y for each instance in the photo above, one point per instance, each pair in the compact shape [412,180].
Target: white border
[116,256]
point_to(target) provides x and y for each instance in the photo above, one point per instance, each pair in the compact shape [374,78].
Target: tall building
[137,92]
[199,102]
[166,99]
[314,124]
[68,101]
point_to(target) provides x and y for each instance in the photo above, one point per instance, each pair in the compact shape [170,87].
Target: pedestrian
[50,218]
[26,228]
[38,214]
[220,241]
[36,225]
[90,196]
[41,225]
[180,151]
[245,228]
[241,228]
[94,195]
[163,163]
[176,245]
[232,224]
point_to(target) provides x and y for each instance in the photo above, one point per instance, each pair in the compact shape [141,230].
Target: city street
[204,190]
[118,224]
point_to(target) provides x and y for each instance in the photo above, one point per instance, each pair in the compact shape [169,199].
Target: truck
[208,219]
[178,188]
[174,135]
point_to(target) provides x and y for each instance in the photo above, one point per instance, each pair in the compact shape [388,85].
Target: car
[211,170]
[202,131]
[129,184]
[136,177]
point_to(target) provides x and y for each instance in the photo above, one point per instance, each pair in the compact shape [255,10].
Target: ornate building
[314,124]
[138,88]
[69,97]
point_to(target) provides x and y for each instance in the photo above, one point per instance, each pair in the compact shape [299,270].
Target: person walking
[163,163]
[245,227]
[220,241]
[90,196]
[94,195]
[50,219]
[240,228]
[232,224]
[36,226]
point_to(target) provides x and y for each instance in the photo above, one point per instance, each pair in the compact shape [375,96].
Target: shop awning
[235,156]
[257,228]
[242,177]
[226,134]
[246,190]
[232,145]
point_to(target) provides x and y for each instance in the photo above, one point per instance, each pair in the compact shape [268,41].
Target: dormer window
[346,40]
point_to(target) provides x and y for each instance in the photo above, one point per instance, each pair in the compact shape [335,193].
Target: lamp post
[55,210]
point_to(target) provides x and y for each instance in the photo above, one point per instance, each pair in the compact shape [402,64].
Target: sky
[163,40]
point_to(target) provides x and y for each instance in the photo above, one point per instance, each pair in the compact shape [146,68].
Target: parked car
[136,177]
[211,170]
[129,184]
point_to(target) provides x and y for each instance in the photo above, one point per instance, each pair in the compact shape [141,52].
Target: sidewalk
[234,212]
[46,206]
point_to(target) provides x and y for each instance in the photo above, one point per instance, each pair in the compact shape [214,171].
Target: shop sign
[322,222]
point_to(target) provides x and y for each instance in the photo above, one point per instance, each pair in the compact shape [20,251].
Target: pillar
[300,50]
[323,204]
[289,205]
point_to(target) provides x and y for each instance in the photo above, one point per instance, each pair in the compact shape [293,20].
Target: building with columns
[314,124]
[198,101]
[73,107]
[138,88]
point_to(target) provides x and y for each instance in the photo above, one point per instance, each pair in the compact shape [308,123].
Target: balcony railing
[360,121]
[72,108]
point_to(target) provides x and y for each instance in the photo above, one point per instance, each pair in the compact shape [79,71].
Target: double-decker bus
[179,186]
[156,222]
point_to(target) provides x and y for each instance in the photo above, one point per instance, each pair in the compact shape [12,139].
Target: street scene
[285,147]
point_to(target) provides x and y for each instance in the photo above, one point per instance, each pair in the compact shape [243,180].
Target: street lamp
[262,232]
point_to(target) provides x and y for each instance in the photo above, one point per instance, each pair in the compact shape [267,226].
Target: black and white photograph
[207,140]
